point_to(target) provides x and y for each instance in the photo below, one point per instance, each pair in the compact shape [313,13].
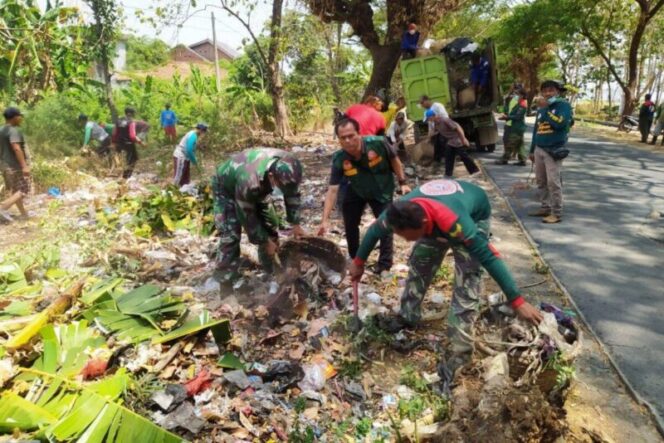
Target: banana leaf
[12,278]
[99,290]
[61,410]
[220,329]
[134,316]
[67,348]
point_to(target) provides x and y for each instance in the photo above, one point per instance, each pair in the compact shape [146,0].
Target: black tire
[491,147]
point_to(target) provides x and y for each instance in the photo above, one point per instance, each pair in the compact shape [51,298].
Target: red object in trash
[199,383]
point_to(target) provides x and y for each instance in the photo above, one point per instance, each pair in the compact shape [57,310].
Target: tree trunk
[281,123]
[385,59]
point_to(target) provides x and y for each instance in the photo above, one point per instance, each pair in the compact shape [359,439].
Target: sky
[196,28]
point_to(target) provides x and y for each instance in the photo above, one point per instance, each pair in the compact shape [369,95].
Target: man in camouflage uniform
[241,186]
[439,215]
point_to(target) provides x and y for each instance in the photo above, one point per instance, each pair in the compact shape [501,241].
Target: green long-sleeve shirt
[244,178]
[552,126]
[453,210]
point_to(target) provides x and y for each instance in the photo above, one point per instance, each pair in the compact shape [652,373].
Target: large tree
[594,17]
[379,26]
[271,56]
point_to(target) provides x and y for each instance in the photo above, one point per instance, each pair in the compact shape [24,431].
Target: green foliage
[444,274]
[65,411]
[425,396]
[565,371]
[41,51]
[144,53]
[350,368]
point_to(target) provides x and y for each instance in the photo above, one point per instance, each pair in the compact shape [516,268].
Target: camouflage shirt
[243,178]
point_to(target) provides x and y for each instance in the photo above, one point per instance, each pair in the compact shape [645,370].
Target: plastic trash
[314,378]
[237,378]
[54,192]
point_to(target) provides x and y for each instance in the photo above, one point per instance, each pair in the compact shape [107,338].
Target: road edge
[658,420]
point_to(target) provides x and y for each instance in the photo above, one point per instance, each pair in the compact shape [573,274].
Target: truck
[444,78]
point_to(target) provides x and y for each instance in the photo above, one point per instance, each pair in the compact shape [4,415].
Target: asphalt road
[608,252]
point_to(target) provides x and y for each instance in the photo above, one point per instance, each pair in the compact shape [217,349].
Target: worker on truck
[369,164]
[240,186]
[480,74]
[439,215]
[409,41]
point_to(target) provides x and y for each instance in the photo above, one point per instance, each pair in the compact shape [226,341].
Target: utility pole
[216,54]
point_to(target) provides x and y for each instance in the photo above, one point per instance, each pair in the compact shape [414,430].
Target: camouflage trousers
[425,260]
[514,146]
[229,227]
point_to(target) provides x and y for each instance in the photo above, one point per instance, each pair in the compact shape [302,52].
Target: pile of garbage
[119,333]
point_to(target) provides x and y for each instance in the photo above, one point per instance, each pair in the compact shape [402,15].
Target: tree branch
[655,9]
[586,33]
[247,26]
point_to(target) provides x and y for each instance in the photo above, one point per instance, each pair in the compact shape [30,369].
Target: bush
[53,174]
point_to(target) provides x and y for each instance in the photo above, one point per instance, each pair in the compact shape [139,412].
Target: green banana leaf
[220,329]
[12,278]
[100,289]
[67,348]
[134,316]
[61,410]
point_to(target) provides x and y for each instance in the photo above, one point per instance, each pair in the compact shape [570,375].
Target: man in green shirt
[439,215]
[515,126]
[240,186]
[369,164]
[15,163]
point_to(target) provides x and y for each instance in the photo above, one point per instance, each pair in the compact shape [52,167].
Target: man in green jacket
[515,126]
[241,186]
[659,123]
[547,150]
[439,215]
[369,164]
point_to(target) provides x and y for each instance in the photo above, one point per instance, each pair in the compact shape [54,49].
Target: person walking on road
[515,126]
[168,120]
[240,187]
[369,164]
[547,150]
[184,155]
[15,164]
[659,124]
[440,215]
[646,115]
[125,139]
[456,143]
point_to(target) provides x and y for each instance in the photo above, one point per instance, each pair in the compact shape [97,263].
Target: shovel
[355,324]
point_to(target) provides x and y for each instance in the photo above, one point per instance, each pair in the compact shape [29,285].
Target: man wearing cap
[515,127]
[547,150]
[15,163]
[241,186]
[95,132]
[437,139]
[125,138]
[439,215]
[369,164]
[185,154]
[168,120]
[409,41]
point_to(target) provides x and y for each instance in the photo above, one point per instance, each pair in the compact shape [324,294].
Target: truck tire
[491,147]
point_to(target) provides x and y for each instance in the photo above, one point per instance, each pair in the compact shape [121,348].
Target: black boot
[654,140]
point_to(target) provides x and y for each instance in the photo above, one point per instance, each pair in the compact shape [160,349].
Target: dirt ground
[597,409]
